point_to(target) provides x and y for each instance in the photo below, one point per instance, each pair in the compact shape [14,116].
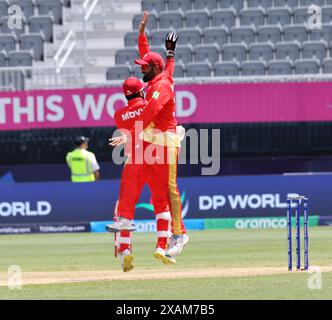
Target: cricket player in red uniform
[161,138]
[133,179]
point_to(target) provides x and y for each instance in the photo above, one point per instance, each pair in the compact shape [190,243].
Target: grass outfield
[218,264]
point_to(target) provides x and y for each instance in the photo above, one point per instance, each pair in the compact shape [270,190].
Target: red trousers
[159,171]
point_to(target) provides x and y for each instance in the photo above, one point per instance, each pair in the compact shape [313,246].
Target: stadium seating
[307,66]
[280,67]
[217,35]
[249,33]
[225,69]
[189,36]
[327,68]
[118,72]
[24,41]
[3,59]
[198,69]
[261,51]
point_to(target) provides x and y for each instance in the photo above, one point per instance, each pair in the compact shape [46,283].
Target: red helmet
[131,86]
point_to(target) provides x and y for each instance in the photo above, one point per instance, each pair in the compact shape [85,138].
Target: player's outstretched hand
[118,141]
[170,43]
[144,21]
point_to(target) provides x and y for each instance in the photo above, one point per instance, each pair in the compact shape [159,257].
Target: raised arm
[143,43]
[170,45]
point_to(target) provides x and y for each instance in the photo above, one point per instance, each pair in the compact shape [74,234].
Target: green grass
[206,249]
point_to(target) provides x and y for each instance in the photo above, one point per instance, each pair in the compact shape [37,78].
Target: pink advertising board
[206,103]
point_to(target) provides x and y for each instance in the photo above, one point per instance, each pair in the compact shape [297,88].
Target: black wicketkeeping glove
[170,43]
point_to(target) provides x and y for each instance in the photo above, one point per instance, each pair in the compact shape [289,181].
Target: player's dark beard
[147,76]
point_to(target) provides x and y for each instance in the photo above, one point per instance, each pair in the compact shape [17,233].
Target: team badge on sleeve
[156,95]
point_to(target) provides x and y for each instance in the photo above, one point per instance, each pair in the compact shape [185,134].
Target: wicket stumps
[298,200]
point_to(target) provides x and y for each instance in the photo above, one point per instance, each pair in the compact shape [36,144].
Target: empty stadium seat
[280,16]
[171,19]
[130,38]
[183,5]
[197,18]
[314,49]
[17,29]
[306,66]
[242,34]
[119,72]
[179,71]
[3,8]
[158,36]
[301,15]
[259,3]
[223,17]
[287,51]
[327,14]
[189,36]
[136,71]
[26,6]
[14,80]
[261,51]
[253,68]
[159,49]
[325,33]
[279,67]
[327,66]
[67,3]
[8,42]
[289,3]
[269,34]
[234,52]
[20,58]
[207,53]
[126,56]
[51,7]
[201,4]
[3,59]
[224,69]
[252,16]
[152,22]
[236,4]
[33,42]
[198,69]
[184,54]
[218,35]
[42,24]
[295,33]
[153,5]
[307,3]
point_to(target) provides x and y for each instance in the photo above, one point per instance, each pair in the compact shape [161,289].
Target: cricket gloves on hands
[170,43]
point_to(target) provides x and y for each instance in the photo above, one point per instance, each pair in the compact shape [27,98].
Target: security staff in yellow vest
[82,163]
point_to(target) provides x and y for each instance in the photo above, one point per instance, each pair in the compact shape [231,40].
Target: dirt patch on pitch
[29,278]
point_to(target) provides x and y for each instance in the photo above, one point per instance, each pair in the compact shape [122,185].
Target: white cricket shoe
[126,259]
[160,254]
[122,224]
[176,244]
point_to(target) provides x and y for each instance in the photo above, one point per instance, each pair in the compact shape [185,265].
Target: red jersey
[160,95]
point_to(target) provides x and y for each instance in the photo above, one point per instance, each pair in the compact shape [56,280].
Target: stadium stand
[268,31]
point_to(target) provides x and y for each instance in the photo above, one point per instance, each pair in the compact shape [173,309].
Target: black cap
[80,140]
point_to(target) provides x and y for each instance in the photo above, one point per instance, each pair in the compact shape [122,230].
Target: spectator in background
[82,163]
